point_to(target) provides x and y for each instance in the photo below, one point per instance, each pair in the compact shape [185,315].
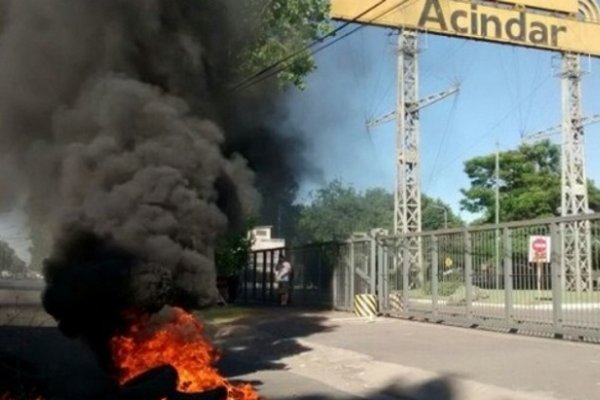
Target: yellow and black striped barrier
[365,305]
[396,301]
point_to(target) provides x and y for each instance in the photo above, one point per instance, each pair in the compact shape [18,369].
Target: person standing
[283,275]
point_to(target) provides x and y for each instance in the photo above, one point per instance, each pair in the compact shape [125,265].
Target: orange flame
[179,341]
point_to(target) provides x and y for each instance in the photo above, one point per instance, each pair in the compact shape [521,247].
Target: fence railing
[311,283]
[473,276]
[483,276]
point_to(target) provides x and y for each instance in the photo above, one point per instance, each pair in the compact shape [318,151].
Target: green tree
[232,252]
[433,217]
[337,210]
[284,28]
[529,182]
[9,261]
[274,31]
[334,213]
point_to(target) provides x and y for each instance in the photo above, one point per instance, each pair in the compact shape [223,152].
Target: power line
[478,140]
[516,58]
[303,49]
[442,143]
[253,81]
[536,74]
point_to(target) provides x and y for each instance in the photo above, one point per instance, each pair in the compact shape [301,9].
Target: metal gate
[359,270]
[312,269]
[478,276]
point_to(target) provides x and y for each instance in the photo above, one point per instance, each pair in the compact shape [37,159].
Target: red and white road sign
[539,249]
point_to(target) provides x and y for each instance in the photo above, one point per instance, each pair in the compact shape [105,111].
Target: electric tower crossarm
[427,101]
[555,130]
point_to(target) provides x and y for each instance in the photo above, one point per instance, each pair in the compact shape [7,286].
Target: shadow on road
[41,357]
[267,342]
[257,344]
[438,389]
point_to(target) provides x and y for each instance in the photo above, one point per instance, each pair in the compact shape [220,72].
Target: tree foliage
[432,214]
[9,261]
[278,29]
[529,182]
[283,28]
[232,251]
[337,210]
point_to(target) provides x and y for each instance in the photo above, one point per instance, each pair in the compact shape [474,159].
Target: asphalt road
[429,361]
[295,354]
[29,341]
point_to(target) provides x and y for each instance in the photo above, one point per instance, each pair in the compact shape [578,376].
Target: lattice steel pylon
[575,237]
[407,201]
[407,210]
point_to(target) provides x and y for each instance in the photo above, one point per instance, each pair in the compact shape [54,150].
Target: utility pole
[497,216]
[497,184]
[445,210]
[445,218]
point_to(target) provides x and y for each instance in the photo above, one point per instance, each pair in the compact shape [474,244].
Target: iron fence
[483,276]
[312,275]
[475,276]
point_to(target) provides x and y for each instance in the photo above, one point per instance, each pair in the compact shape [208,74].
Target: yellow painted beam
[565,6]
[462,18]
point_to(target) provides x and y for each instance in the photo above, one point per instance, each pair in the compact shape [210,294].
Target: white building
[262,239]
[264,261]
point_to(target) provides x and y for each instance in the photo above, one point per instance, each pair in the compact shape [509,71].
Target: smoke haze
[116,122]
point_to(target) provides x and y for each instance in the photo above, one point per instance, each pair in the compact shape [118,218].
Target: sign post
[539,253]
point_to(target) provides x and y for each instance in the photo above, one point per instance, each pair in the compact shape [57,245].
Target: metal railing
[475,276]
[482,276]
[311,283]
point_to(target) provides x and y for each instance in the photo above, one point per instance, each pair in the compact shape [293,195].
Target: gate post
[382,283]
[335,279]
[434,274]
[373,266]
[468,274]
[508,277]
[255,267]
[352,276]
[405,268]
[557,278]
[268,262]
[245,276]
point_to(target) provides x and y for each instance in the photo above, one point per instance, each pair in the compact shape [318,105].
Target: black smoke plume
[134,153]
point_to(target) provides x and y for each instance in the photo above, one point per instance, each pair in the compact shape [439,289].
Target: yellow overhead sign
[566,6]
[489,21]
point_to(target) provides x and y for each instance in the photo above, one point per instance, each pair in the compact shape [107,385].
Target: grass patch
[542,297]
[520,297]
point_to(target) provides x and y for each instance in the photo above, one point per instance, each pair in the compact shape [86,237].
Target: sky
[504,91]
